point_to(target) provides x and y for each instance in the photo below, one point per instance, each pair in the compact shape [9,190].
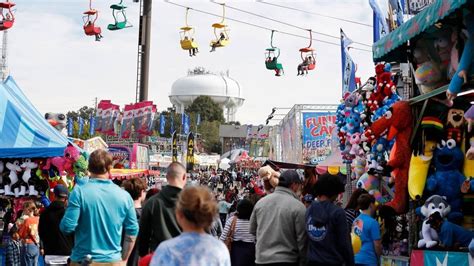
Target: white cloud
[61,69]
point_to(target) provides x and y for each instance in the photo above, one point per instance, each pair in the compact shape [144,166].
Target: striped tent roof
[24,133]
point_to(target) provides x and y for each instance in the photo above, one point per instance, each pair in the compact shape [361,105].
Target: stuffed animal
[418,172]
[350,101]
[368,89]
[80,168]
[429,76]
[359,168]
[352,124]
[28,166]
[65,163]
[465,66]
[398,123]
[377,156]
[2,169]
[447,179]
[355,140]
[455,124]
[270,178]
[371,184]
[469,116]
[57,120]
[11,189]
[470,151]
[429,236]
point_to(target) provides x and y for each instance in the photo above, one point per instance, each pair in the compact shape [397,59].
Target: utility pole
[143,57]
[3,62]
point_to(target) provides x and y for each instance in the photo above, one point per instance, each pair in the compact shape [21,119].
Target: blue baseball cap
[61,191]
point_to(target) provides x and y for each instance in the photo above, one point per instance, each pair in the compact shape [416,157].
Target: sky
[60,69]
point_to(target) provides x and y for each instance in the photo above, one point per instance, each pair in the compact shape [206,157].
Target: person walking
[224,207]
[278,222]
[54,241]
[328,233]
[352,210]
[97,213]
[242,252]
[195,212]
[28,232]
[368,229]
[136,187]
[13,249]
[158,220]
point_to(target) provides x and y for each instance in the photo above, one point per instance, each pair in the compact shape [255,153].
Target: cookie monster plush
[447,180]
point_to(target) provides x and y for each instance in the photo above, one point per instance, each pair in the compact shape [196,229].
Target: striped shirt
[241,233]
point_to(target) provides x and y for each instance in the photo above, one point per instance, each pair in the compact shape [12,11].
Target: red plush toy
[398,122]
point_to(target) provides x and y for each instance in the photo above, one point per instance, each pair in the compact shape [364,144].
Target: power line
[314,13]
[286,23]
[261,27]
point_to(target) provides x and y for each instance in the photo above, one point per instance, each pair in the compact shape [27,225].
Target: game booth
[409,131]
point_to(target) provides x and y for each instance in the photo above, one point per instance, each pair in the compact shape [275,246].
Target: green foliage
[85,113]
[207,108]
[210,136]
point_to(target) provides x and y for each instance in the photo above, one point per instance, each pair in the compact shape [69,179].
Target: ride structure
[7,16]
[221,32]
[120,17]
[90,18]
[271,58]
[308,56]
[187,36]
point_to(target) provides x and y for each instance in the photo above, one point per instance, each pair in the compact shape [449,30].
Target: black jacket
[158,220]
[54,241]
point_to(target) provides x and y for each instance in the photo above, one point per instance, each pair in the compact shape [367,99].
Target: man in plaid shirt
[13,249]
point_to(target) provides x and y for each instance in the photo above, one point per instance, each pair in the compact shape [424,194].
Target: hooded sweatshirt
[328,235]
[158,220]
[54,241]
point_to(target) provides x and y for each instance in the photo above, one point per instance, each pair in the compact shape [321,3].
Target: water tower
[221,88]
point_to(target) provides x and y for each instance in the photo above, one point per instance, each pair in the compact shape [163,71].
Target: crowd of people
[218,218]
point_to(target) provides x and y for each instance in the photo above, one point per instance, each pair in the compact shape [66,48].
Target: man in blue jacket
[97,213]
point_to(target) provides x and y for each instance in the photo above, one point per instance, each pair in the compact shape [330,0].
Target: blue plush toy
[447,180]
[466,62]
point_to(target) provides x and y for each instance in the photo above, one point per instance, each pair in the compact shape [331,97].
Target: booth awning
[386,48]
[24,133]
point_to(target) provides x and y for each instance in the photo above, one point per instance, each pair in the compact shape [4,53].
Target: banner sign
[435,258]
[317,128]
[190,153]
[81,126]
[70,127]
[92,126]
[122,156]
[162,124]
[174,146]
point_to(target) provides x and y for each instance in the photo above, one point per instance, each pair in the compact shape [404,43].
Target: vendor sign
[317,128]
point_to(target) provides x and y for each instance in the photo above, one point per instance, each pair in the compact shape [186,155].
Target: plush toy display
[27,166]
[435,203]
[419,167]
[465,66]
[447,180]
[270,178]
[398,123]
[359,167]
[11,187]
[80,168]
[355,147]
[65,163]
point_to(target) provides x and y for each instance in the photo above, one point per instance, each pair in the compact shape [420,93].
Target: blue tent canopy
[387,47]
[24,132]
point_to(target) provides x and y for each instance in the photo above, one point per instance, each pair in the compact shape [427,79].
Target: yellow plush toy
[270,178]
[419,166]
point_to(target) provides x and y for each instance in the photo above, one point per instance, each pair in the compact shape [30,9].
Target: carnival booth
[410,129]
[34,156]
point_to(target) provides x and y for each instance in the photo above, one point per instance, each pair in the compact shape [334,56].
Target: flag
[172,123]
[92,126]
[190,153]
[198,119]
[162,124]
[380,22]
[186,124]
[81,126]
[70,127]
[174,146]
[348,66]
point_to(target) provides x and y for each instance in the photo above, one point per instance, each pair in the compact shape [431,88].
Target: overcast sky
[60,69]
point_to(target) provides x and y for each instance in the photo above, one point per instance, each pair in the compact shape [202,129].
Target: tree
[85,112]
[210,136]
[207,108]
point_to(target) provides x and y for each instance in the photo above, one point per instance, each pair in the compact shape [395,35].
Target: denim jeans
[30,255]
